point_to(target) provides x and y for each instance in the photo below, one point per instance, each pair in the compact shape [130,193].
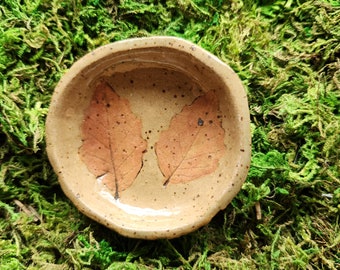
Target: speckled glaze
[158,75]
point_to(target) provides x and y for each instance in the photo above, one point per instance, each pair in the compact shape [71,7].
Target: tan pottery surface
[158,76]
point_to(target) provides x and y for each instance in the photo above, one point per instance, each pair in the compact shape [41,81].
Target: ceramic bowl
[156,78]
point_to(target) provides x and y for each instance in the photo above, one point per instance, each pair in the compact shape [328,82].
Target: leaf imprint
[112,143]
[194,142]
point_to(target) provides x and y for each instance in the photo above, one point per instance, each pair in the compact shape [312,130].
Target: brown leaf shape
[193,143]
[112,144]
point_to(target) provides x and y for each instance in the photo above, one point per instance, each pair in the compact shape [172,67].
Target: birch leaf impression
[194,142]
[112,144]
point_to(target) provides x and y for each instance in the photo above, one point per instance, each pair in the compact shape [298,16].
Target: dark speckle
[200,122]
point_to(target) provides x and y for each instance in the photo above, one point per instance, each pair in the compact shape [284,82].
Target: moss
[287,55]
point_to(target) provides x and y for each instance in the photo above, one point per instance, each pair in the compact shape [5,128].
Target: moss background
[287,54]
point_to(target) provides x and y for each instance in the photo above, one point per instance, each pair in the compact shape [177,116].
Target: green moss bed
[287,53]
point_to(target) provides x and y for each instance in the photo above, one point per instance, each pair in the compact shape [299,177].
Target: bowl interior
[158,78]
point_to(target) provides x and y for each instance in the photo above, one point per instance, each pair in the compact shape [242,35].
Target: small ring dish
[150,136]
